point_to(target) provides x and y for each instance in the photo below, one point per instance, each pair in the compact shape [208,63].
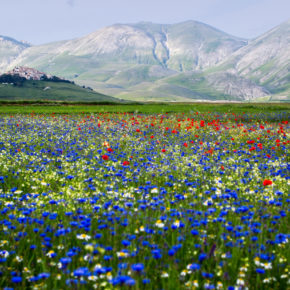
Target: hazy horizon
[39,21]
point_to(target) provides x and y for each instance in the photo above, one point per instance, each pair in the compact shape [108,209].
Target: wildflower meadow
[144,201]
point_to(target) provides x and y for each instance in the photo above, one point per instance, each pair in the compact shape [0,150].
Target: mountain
[115,59]
[28,84]
[9,50]
[185,46]
[265,60]
[184,61]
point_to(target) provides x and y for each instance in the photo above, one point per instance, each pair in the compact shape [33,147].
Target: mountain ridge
[10,48]
[117,58]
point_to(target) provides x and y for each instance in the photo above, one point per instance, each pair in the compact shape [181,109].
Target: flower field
[144,201]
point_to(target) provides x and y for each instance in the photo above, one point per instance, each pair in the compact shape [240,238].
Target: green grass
[149,108]
[34,90]
[199,86]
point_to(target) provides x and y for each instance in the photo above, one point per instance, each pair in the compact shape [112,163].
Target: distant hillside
[184,61]
[27,84]
[266,60]
[9,50]
[185,46]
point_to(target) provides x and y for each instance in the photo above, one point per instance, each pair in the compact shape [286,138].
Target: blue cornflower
[194,232]
[207,275]
[16,279]
[130,282]
[156,254]
[146,281]
[194,267]
[126,243]
[137,267]
[260,271]
[43,275]
[122,265]
[65,260]
[84,271]
[202,257]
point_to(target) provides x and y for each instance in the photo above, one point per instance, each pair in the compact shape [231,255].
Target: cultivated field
[147,197]
[280,110]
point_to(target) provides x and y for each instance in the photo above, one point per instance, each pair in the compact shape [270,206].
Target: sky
[43,21]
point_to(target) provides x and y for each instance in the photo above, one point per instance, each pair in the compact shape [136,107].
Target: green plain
[148,108]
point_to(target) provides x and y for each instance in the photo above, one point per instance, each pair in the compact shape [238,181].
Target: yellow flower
[177,223]
[50,254]
[26,270]
[159,224]
[183,273]
[89,247]
[84,237]
[122,254]
[101,250]
[164,275]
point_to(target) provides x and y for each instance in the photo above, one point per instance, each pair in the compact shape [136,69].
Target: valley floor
[221,107]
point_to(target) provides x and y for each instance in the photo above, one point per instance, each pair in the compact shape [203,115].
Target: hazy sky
[41,21]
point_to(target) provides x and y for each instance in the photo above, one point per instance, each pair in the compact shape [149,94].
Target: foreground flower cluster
[161,201]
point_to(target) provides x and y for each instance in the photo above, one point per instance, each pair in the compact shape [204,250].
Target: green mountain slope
[199,86]
[265,60]
[184,61]
[115,59]
[50,91]
[189,45]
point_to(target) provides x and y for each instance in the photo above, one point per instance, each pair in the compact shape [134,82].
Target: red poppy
[110,150]
[267,182]
[163,150]
[105,157]
[126,163]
